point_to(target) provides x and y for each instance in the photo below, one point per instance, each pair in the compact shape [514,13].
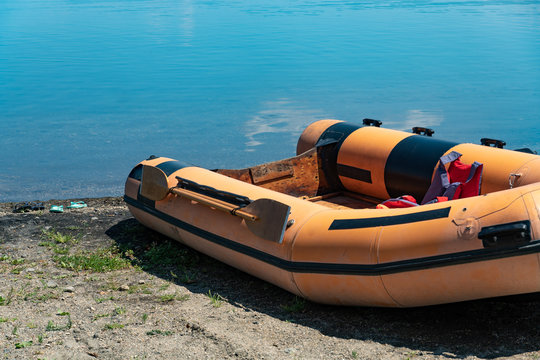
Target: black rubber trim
[136,173]
[410,165]
[348,224]
[169,167]
[345,269]
[145,201]
[329,144]
[354,173]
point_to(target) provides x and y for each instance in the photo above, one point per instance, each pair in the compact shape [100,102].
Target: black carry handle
[423,131]
[509,234]
[493,142]
[372,122]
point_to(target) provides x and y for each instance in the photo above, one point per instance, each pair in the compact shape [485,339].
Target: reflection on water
[88,88]
[423,118]
[280,116]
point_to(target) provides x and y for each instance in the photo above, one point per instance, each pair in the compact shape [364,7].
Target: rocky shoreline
[93,283]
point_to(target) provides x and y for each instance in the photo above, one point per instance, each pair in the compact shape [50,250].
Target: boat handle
[214,203]
[423,131]
[372,122]
[506,234]
[496,143]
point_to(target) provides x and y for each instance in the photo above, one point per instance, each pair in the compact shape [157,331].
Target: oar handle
[216,204]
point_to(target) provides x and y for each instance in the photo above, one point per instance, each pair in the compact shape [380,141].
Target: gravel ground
[93,283]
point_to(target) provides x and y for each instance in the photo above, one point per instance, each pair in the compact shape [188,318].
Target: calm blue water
[90,88]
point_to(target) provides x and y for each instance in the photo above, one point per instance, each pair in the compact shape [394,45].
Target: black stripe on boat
[136,173]
[169,167]
[410,165]
[329,144]
[346,269]
[354,173]
[346,224]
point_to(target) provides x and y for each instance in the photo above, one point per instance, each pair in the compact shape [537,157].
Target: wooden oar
[266,218]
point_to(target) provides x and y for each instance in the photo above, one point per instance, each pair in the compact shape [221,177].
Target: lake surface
[90,88]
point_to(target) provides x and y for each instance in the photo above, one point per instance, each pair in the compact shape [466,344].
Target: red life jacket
[459,181]
[404,202]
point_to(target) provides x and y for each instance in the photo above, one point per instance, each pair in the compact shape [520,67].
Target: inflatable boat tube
[310,224]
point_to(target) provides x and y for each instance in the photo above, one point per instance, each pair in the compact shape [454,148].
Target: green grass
[188,277]
[167,298]
[113,326]
[74,227]
[144,317]
[119,311]
[215,299]
[58,238]
[23,344]
[56,241]
[103,260]
[297,305]
[51,326]
[100,300]
[99,316]
[166,255]
[410,355]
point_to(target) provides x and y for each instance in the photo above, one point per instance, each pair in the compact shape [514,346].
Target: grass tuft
[23,344]
[103,260]
[215,299]
[297,305]
[51,326]
[113,326]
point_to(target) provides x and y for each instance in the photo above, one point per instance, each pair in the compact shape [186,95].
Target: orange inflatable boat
[321,225]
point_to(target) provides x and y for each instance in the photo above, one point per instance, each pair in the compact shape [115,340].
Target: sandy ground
[93,283]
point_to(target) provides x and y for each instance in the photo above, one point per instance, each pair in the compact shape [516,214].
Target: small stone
[30,270]
[94,218]
[141,282]
[69,289]
[51,284]
[124,287]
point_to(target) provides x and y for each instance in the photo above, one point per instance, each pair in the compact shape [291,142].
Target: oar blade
[272,219]
[154,185]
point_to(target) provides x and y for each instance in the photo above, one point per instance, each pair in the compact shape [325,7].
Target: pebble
[30,270]
[123,287]
[69,289]
[141,282]
[94,218]
[51,284]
